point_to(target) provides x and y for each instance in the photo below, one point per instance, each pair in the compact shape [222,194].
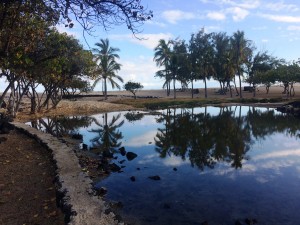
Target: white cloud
[281,6]
[265,40]
[149,41]
[172,16]
[246,4]
[216,16]
[282,18]
[140,70]
[238,13]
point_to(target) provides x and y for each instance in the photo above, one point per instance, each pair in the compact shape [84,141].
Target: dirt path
[27,192]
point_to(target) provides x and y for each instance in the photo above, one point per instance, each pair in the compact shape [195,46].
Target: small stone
[132,178]
[156,177]
[114,167]
[175,169]
[122,151]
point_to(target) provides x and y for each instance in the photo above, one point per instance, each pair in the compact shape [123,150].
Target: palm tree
[240,48]
[162,57]
[105,57]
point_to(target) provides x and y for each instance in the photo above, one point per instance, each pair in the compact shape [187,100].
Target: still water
[220,165]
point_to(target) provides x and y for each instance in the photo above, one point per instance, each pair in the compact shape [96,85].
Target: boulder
[131,155]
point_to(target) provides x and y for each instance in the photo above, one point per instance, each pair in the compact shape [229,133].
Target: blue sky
[273,25]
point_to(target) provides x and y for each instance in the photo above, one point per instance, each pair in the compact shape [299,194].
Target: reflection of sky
[266,187]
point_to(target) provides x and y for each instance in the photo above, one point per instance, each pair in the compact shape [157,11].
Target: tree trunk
[105,89]
[12,100]
[237,91]
[33,101]
[192,89]
[240,81]
[205,86]
[174,87]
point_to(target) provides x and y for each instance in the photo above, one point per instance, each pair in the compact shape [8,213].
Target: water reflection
[108,136]
[61,126]
[233,163]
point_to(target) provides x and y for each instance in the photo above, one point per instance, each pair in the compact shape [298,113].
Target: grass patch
[163,103]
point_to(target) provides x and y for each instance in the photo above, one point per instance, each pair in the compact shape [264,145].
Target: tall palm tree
[240,48]
[162,57]
[105,57]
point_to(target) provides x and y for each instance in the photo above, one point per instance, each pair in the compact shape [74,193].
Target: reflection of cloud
[262,180]
[278,154]
[174,161]
[148,158]
[142,140]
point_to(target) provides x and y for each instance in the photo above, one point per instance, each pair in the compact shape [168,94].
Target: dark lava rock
[138,168]
[132,178]
[77,136]
[116,205]
[175,169]
[107,154]
[122,161]
[156,177]
[84,146]
[130,156]
[101,191]
[122,151]
[114,167]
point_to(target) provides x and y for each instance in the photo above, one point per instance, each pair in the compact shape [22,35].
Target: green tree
[241,48]
[133,87]
[202,53]
[106,56]
[162,57]
[223,63]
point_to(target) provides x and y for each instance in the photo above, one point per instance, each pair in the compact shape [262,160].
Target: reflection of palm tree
[204,139]
[108,134]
